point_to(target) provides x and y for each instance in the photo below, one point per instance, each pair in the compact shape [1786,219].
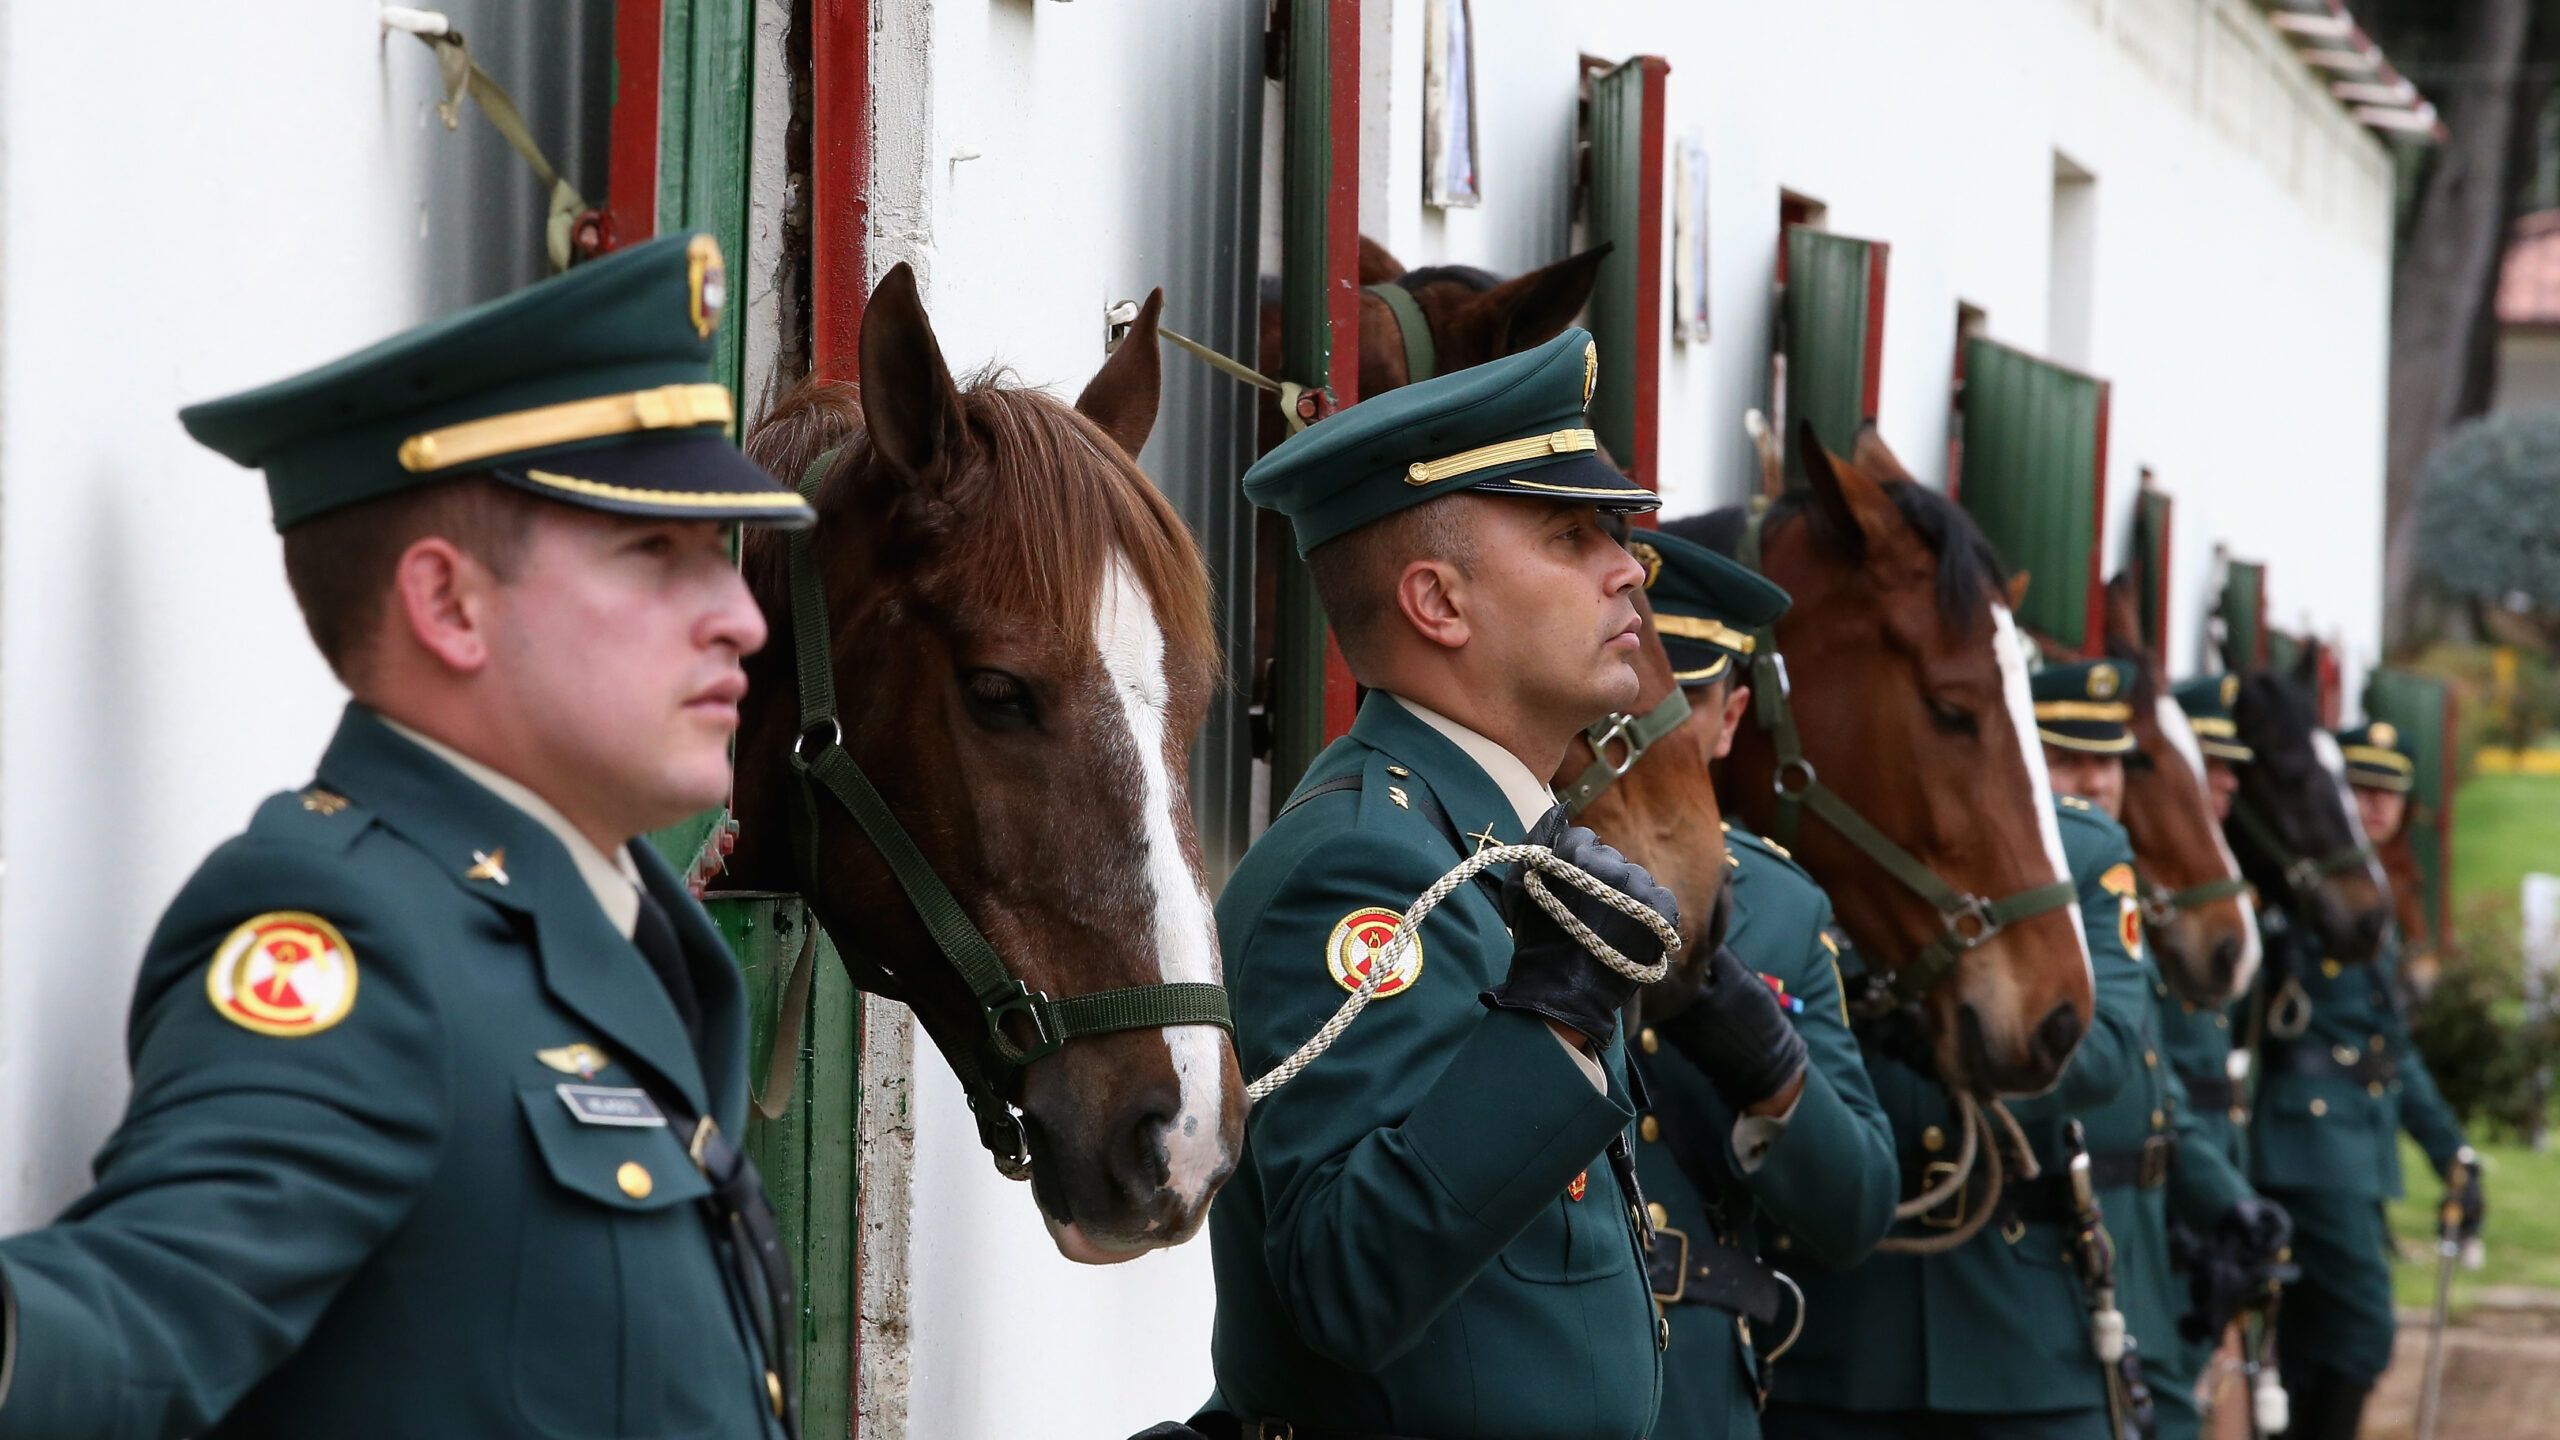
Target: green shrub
[2483,1052]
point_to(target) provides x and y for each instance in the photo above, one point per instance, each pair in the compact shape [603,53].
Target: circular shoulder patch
[287,972]
[1357,940]
[2129,927]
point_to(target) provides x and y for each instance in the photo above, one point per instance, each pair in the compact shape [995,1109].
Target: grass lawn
[2504,827]
[2522,1233]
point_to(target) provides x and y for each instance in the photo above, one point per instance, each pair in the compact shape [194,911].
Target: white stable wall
[2241,245]
[196,201]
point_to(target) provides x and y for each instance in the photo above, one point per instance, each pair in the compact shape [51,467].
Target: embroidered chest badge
[287,973]
[1357,941]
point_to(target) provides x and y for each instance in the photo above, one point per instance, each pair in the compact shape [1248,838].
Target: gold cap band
[668,407]
[2083,710]
[2213,725]
[1714,632]
[2120,745]
[1560,442]
[2379,759]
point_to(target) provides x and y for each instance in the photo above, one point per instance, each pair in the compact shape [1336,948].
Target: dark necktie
[655,935]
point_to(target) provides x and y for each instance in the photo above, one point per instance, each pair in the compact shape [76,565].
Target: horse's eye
[2137,760]
[1953,719]
[999,701]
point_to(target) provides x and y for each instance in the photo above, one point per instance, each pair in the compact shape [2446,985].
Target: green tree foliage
[2483,1051]
[2489,510]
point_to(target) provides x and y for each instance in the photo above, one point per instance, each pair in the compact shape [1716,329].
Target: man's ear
[1737,703]
[440,599]
[1427,598]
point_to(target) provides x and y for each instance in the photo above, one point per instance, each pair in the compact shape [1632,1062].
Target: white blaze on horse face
[2011,647]
[2333,760]
[1186,937]
[2173,723]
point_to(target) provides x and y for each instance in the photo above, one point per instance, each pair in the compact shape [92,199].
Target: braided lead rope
[1540,860]
[1981,1214]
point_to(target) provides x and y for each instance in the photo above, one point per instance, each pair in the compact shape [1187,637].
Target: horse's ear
[909,405]
[1871,455]
[1533,309]
[2018,590]
[1122,396]
[2306,665]
[1377,267]
[1857,507]
[2124,613]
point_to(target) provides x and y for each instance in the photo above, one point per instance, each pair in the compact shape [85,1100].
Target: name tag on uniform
[611,1105]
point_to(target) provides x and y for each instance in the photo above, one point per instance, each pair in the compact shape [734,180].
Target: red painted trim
[840,199]
[1342,285]
[1871,386]
[2444,821]
[1649,263]
[2093,635]
[631,175]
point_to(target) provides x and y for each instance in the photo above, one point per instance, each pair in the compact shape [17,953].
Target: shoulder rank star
[488,865]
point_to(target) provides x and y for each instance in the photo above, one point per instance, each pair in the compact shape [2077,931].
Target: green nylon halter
[1421,352]
[987,1069]
[2302,873]
[1636,733]
[1968,920]
[2160,904]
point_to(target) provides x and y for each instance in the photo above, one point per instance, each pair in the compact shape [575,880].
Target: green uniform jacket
[394,1225]
[1825,1190]
[2197,1041]
[2000,1324]
[2328,1132]
[2205,1181]
[1398,1251]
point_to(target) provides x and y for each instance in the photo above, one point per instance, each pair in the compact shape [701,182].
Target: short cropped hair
[341,564]
[1356,573]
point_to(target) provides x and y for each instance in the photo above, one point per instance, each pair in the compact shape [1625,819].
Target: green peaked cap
[1513,426]
[2207,701]
[2377,756]
[2084,705]
[591,388]
[1706,608]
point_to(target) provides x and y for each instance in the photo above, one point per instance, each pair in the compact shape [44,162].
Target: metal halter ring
[1032,1005]
[1977,910]
[1616,730]
[1778,780]
[2304,876]
[800,746]
[2159,906]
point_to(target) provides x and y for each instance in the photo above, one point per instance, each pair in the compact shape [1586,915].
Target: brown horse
[1909,701]
[1023,652]
[2206,941]
[2293,823]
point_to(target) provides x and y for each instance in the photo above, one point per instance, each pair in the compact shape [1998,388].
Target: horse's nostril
[2056,1036]
[2226,959]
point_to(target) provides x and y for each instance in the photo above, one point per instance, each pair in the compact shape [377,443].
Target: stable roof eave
[2330,44]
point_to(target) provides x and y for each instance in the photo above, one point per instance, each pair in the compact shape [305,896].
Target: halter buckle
[2159,905]
[1976,911]
[1616,729]
[2303,875]
[1033,1006]
[800,746]
[1801,766]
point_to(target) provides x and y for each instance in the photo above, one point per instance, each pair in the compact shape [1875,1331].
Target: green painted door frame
[1832,332]
[2423,708]
[2034,477]
[1625,212]
[2243,608]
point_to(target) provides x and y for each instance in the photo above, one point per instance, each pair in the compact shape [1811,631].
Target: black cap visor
[699,476]
[1582,479]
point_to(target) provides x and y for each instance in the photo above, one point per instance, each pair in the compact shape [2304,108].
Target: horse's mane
[2278,697]
[2145,693]
[1032,524]
[1969,570]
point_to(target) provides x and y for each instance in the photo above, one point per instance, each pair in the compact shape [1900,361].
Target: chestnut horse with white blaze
[1891,744]
[1021,643]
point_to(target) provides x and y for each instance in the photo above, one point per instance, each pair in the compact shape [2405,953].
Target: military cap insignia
[1357,941]
[2230,690]
[708,280]
[2103,682]
[2383,734]
[2118,880]
[580,1059]
[287,972]
[1590,370]
[1649,558]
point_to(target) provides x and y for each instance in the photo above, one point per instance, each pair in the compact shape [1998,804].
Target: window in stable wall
[1831,332]
[2034,478]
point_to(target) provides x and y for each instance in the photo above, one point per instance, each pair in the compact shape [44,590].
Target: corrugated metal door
[1834,335]
[2034,478]
[1626,305]
[2422,706]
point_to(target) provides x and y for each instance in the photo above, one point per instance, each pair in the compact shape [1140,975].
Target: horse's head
[1660,809]
[1475,315]
[2294,825]
[1022,650]
[2201,925]
[1910,704]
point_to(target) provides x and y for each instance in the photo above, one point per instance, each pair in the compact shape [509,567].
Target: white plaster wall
[2242,263]
[196,201]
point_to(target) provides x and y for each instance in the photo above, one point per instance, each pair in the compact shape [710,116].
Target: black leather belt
[2145,1167]
[2333,1062]
[2209,1092]
[1704,1271]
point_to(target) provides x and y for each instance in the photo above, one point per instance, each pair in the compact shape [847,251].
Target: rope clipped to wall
[463,76]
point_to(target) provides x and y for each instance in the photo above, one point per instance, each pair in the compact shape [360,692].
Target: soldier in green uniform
[1433,1230]
[2151,1181]
[2339,1081]
[1993,1338]
[1815,1185]
[436,1067]
[2197,1039]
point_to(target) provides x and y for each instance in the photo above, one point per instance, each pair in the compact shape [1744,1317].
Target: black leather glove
[1551,973]
[2255,1229]
[1738,1033]
[2245,1255]
[1901,1034]
[2473,1199]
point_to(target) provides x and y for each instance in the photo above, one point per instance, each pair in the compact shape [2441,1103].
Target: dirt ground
[2501,1376]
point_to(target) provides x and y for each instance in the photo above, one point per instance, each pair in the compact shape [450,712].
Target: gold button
[773,1392]
[1933,1139]
[2158,1120]
[1649,1040]
[2151,1059]
[2343,1054]
[1786,1242]
[2373,1088]
[1649,1128]
[2239,1116]
[2330,968]
[634,1180]
[2319,1107]
[2221,1021]
[1661,1217]
[1661,1332]
[2188,1006]
[2380,1045]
